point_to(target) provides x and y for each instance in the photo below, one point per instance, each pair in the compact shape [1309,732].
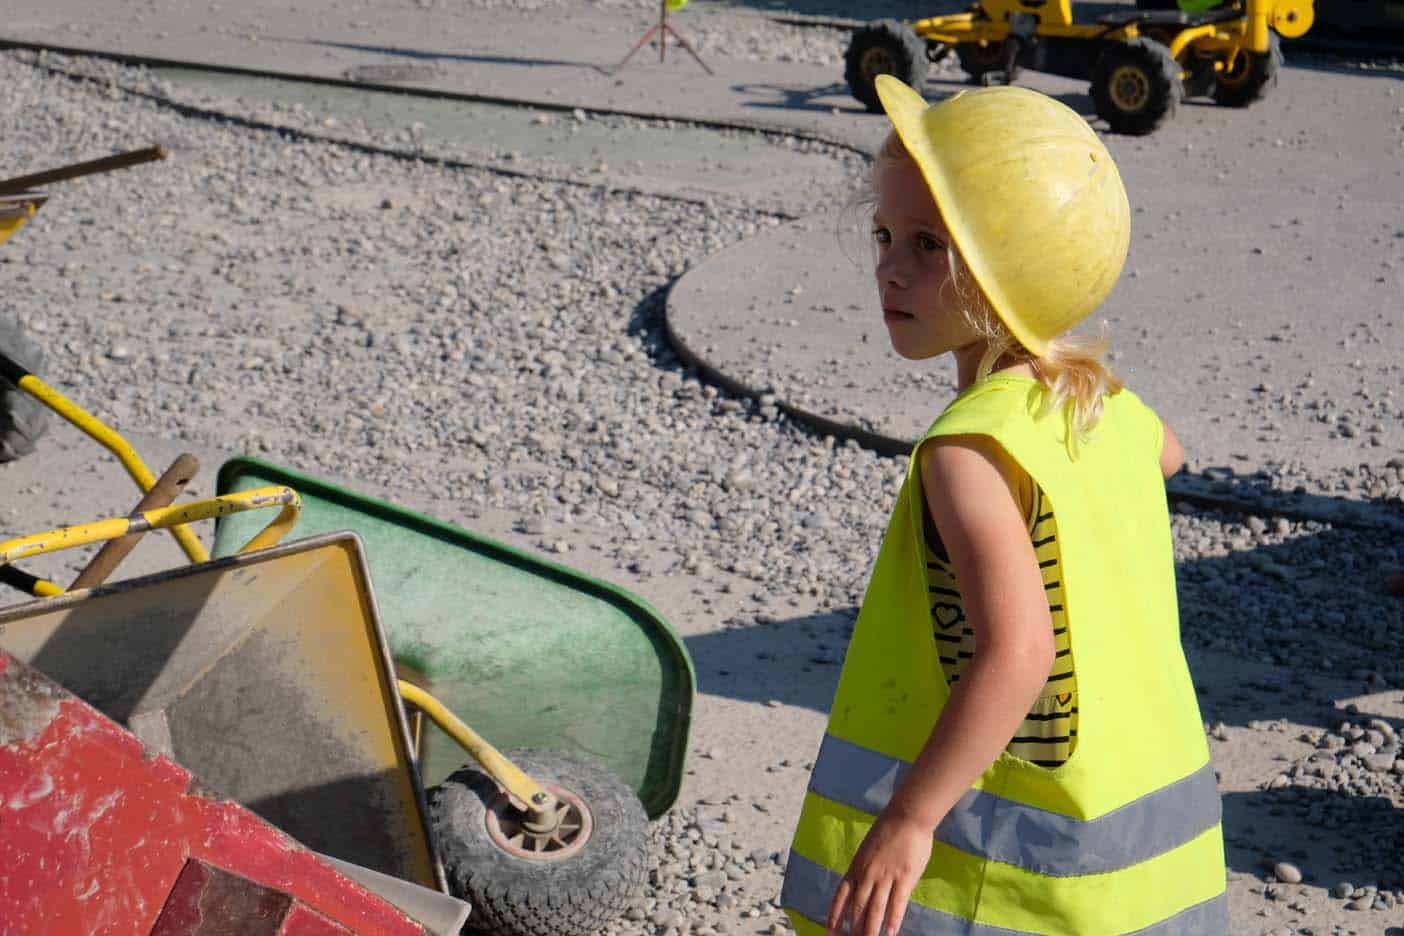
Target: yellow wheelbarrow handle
[160,519]
[526,792]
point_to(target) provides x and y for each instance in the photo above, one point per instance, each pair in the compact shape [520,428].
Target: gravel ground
[496,339]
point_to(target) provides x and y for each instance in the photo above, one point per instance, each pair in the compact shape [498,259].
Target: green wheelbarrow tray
[528,652]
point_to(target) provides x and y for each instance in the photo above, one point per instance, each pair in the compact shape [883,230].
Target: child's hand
[879,882]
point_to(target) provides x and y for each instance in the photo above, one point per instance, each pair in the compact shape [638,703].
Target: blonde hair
[1072,369]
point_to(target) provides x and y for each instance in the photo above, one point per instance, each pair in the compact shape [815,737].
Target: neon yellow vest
[1124,837]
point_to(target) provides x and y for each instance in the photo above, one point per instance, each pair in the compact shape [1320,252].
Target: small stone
[716,880]
[667,918]
[120,353]
[1342,890]
[1287,872]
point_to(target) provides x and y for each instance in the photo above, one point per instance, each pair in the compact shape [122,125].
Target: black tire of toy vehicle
[1161,73]
[1263,68]
[22,418]
[906,52]
[512,896]
[977,60]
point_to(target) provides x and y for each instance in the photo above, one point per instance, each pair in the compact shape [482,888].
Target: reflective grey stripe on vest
[809,890]
[1026,836]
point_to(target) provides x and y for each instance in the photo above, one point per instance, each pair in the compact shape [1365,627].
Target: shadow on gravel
[1344,63]
[792,661]
[780,97]
[878,9]
[812,99]
[432,56]
[1273,629]
[1330,836]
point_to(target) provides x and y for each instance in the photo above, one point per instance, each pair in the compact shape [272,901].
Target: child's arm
[988,541]
[1172,457]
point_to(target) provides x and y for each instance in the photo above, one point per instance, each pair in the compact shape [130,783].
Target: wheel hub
[555,837]
[1130,89]
[876,62]
[1236,68]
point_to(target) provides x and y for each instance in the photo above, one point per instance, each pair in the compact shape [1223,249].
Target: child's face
[920,303]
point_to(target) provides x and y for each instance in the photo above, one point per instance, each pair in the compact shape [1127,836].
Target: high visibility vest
[1122,838]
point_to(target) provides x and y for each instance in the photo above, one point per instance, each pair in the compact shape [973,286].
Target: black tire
[883,47]
[1253,73]
[512,896]
[23,419]
[1200,78]
[977,60]
[1136,86]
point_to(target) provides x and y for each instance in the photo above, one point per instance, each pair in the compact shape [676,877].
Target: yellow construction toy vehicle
[1142,63]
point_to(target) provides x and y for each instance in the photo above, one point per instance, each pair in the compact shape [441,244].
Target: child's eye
[927,242]
[882,235]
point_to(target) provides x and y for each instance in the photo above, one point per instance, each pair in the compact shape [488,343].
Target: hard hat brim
[907,109]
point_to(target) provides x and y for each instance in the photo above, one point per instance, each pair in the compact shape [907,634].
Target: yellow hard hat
[1030,195]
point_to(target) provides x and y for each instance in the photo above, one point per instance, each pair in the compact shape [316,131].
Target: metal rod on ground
[166,489]
[92,166]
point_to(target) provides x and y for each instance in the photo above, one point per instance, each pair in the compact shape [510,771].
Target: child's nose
[891,268]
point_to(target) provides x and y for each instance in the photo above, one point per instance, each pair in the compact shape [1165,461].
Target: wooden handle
[92,166]
[166,489]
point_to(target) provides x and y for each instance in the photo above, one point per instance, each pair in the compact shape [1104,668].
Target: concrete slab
[555,60]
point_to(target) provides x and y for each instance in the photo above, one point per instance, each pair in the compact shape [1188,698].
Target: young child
[1014,745]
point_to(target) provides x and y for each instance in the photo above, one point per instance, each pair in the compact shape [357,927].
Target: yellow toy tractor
[1142,63]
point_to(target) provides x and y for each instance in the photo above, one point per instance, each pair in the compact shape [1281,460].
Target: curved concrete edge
[878,442]
[1180,489]
[710,123]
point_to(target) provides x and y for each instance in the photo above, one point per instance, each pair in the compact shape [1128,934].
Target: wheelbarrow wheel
[518,886]
[23,419]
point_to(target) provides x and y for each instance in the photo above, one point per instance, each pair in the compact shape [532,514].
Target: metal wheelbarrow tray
[267,676]
[546,656]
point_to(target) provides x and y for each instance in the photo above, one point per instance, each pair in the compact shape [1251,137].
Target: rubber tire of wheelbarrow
[906,49]
[513,896]
[23,419]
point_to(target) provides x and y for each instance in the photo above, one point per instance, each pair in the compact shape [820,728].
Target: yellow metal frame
[525,792]
[118,446]
[15,210]
[1248,33]
[163,518]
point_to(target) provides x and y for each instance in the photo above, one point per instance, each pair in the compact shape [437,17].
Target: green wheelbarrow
[564,671]
[546,656]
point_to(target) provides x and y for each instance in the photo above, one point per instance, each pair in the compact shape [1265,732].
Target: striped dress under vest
[1049,731]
